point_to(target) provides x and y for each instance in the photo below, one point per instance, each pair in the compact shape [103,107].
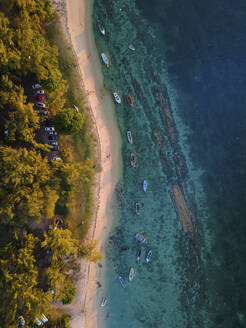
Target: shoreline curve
[76,19]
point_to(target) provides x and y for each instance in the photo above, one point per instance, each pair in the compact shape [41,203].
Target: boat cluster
[117,98]
[141,239]
[133,160]
[106,61]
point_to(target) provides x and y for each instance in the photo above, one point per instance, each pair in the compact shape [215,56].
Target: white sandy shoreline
[76,17]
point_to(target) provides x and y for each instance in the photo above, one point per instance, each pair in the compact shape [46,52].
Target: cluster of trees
[25,50]
[26,188]
[69,121]
[35,269]
[19,282]
[30,185]
[33,273]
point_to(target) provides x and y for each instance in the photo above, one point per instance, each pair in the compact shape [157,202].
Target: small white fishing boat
[131,274]
[117,97]
[140,238]
[103,302]
[129,137]
[131,47]
[149,256]
[139,254]
[105,59]
[101,27]
[145,185]
[122,282]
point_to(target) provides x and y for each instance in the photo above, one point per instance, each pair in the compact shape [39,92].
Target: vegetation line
[48,161]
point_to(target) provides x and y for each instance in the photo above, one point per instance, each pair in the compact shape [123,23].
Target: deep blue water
[188,80]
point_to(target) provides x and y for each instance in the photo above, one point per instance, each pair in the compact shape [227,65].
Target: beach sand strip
[76,19]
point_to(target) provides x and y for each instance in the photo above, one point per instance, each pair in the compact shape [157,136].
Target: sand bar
[76,17]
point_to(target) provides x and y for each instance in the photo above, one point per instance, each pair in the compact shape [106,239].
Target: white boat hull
[129,137]
[140,238]
[131,47]
[105,59]
[122,282]
[103,302]
[145,186]
[131,274]
[117,97]
[149,256]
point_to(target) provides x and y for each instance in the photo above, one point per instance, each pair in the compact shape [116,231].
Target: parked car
[53,133]
[36,86]
[39,92]
[21,320]
[52,137]
[40,98]
[38,322]
[37,106]
[44,319]
[55,148]
[40,105]
[43,112]
[49,128]
[48,122]
[56,159]
[53,143]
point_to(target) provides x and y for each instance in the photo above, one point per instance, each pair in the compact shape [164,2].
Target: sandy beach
[77,24]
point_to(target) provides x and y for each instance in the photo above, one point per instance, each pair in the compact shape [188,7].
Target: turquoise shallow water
[188,148]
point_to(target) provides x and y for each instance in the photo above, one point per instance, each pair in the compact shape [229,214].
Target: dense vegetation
[40,199]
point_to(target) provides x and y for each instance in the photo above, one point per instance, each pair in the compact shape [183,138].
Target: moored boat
[105,59]
[124,248]
[117,97]
[122,282]
[137,208]
[149,256]
[131,274]
[130,100]
[103,302]
[140,238]
[145,185]
[131,47]
[139,254]
[129,137]
[101,27]
[133,159]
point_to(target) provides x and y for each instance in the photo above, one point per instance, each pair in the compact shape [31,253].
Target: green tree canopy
[74,170]
[68,121]
[23,122]
[60,243]
[88,250]
[9,54]
[56,279]
[19,291]
[68,293]
[24,185]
